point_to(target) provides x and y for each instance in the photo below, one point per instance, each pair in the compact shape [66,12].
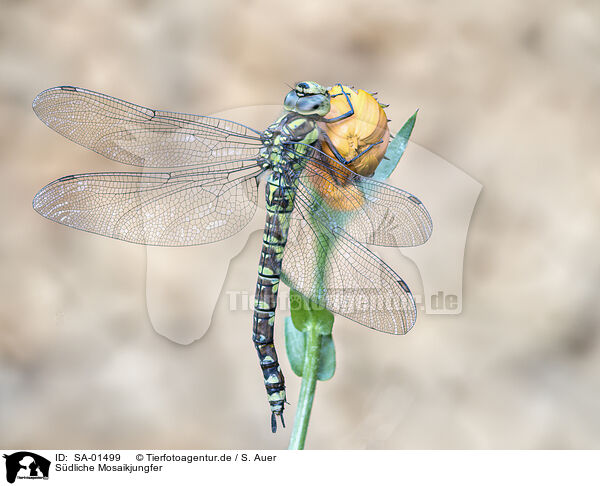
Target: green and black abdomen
[280,202]
[285,144]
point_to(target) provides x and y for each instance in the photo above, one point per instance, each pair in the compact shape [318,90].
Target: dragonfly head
[308,98]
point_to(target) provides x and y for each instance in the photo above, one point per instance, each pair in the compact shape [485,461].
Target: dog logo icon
[27,465]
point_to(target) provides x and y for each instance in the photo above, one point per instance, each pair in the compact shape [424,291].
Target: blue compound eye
[290,101]
[313,105]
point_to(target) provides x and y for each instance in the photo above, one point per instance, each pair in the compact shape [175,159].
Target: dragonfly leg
[343,116]
[341,159]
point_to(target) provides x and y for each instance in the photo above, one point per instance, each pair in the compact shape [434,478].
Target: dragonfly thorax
[287,140]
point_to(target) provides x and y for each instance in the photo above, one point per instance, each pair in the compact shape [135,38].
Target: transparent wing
[178,208]
[325,264]
[370,211]
[140,136]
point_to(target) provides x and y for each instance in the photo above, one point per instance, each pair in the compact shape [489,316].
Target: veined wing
[325,264]
[179,208]
[370,211]
[140,136]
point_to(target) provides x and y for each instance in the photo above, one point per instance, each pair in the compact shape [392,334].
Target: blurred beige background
[509,93]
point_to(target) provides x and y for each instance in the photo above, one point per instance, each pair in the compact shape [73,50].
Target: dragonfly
[197,182]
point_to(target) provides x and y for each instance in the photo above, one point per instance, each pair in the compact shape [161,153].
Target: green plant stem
[308,387]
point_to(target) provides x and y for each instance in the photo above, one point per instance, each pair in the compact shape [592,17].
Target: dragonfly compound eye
[290,101]
[317,105]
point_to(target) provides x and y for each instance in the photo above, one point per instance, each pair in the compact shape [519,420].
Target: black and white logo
[26,465]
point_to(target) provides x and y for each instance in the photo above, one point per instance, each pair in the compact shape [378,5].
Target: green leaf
[326,359]
[306,313]
[395,150]
[295,345]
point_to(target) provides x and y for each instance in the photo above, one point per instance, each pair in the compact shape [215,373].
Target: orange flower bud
[356,133]
[351,136]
